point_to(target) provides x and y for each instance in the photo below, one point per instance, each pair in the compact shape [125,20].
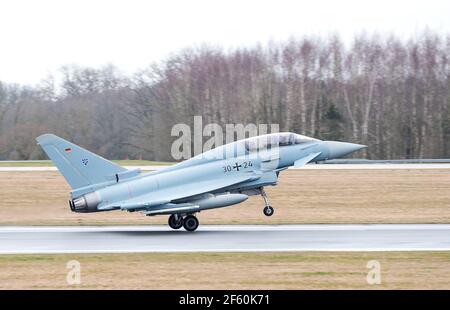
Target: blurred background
[115,76]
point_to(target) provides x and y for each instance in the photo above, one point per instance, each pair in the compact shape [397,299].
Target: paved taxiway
[225,238]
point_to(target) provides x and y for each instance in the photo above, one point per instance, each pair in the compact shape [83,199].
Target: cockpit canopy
[244,147]
[273,140]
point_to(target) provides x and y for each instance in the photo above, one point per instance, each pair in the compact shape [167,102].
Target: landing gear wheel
[268,211]
[175,222]
[190,223]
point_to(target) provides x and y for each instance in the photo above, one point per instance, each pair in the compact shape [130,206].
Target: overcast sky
[37,37]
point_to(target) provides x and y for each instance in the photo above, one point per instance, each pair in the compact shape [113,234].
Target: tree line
[388,93]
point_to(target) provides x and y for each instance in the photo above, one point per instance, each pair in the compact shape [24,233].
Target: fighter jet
[221,177]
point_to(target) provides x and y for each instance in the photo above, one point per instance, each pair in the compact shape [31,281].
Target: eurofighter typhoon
[221,177]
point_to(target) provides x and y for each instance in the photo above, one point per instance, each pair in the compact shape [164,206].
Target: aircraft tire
[268,211]
[190,223]
[175,224]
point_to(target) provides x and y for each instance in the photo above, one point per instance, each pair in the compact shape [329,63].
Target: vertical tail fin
[78,166]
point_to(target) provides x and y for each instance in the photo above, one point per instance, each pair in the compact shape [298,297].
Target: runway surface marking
[225,238]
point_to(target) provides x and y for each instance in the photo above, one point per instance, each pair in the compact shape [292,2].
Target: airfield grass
[297,270]
[48,163]
[302,196]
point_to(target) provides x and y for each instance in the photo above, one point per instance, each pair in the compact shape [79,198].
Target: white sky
[39,36]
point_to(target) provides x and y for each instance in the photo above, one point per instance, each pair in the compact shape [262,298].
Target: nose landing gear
[268,210]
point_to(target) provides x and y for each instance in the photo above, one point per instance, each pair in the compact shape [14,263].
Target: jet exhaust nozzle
[86,203]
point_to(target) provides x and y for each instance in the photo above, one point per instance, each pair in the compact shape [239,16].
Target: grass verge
[302,196]
[299,270]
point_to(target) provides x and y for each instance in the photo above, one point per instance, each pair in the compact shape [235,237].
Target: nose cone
[338,149]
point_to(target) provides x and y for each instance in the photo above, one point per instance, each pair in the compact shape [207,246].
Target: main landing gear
[189,222]
[268,210]
[175,221]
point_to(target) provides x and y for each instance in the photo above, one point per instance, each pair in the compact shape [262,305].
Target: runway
[225,238]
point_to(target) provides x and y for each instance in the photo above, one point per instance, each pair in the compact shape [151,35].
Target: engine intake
[86,203]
